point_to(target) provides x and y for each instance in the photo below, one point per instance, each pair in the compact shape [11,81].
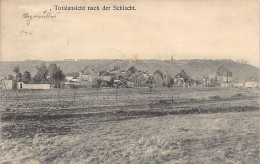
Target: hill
[195,68]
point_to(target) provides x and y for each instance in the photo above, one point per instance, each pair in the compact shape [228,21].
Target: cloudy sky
[186,29]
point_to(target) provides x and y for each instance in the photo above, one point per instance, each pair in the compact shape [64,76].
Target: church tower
[172,59]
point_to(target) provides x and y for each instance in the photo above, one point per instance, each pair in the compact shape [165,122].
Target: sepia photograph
[129,81]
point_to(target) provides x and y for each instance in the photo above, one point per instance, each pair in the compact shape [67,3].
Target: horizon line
[235,60]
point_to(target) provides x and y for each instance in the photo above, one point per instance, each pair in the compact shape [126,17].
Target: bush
[214,97]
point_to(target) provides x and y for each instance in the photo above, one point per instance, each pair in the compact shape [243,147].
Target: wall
[7,84]
[33,86]
[69,78]
[239,84]
[224,79]
[251,84]
[226,85]
[158,80]
[106,78]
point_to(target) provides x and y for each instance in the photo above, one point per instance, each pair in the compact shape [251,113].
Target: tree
[10,77]
[41,75]
[97,83]
[111,82]
[18,75]
[149,83]
[55,74]
[26,78]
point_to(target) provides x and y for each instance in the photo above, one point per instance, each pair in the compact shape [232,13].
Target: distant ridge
[194,68]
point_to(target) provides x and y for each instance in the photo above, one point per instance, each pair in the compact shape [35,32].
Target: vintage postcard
[129,81]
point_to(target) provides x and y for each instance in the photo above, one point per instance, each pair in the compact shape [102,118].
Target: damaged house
[88,74]
[222,76]
[161,79]
[182,80]
[130,72]
[158,78]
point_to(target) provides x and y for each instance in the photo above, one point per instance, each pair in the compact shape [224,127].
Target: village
[115,77]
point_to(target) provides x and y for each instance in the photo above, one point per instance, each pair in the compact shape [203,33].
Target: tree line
[44,75]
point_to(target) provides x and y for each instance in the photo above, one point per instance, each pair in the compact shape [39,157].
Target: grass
[176,125]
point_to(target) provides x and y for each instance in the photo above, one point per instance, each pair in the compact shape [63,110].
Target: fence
[106,97]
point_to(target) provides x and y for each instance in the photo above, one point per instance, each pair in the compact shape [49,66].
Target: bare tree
[74,95]
[58,94]
[17,92]
[97,92]
[116,92]
[5,84]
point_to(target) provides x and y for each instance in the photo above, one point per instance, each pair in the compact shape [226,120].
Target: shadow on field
[29,124]
[10,116]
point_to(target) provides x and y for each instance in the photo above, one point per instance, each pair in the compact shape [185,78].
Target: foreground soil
[200,125]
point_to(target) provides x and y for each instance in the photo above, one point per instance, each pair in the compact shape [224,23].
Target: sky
[186,29]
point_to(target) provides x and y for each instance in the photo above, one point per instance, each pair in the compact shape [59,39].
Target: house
[146,75]
[79,84]
[87,71]
[252,84]
[158,77]
[150,80]
[123,72]
[221,76]
[238,85]
[199,83]
[134,76]
[140,80]
[120,83]
[69,78]
[130,71]
[8,84]
[72,79]
[105,78]
[182,80]
[224,75]
[87,74]
[205,82]
[130,84]
[107,74]
[113,72]
[103,73]
[167,79]
[72,74]
[178,81]
[104,84]
[21,85]
[213,79]
[75,79]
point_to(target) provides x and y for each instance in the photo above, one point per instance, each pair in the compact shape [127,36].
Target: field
[130,125]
